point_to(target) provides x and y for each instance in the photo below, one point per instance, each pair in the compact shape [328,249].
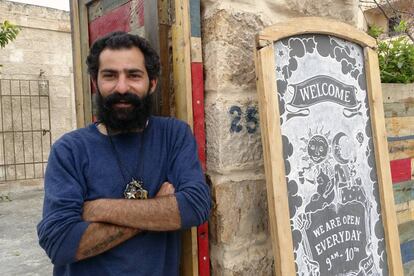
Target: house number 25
[250,118]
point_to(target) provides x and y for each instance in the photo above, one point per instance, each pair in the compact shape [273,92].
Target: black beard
[124,119]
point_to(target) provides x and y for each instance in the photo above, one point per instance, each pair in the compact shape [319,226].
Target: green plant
[8,33]
[396,57]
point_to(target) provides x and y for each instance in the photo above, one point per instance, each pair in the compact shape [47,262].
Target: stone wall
[41,52]
[239,236]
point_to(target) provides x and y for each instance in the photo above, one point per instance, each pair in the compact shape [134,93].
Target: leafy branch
[8,33]
[396,56]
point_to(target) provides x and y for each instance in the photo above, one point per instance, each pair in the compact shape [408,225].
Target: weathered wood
[394,93]
[98,8]
[86,83]
[117,19]
[309,25]
[145,13]
[412,168]
[80,42]
[399,126]
[403,192]
[401,149]
[274,166]
[181,51]
[77,63]
[196,51]
[182,61]
[400,170]
[399,109]
[165,78]
[405,213]
[189,257]
[382,163]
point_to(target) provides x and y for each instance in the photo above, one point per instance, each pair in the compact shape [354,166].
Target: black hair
[123,40]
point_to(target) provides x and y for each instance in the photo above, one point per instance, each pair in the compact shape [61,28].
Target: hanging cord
[121,165]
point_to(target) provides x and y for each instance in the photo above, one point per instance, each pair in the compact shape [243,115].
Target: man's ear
[94,84]
[153,84]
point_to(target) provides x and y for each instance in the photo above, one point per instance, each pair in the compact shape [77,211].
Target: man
[117,191]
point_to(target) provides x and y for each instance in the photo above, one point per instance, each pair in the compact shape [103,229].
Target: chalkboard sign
[326,160]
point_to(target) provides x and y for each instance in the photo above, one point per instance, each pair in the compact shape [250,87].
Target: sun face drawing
[317,149]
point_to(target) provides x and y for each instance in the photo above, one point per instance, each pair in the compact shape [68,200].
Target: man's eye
[135,76]
[107,76]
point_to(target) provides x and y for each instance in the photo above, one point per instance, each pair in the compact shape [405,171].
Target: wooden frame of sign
[330,197]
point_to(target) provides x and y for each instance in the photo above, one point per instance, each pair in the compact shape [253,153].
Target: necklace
[134,189]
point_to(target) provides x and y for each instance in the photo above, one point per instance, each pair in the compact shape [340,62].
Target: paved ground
[20,253]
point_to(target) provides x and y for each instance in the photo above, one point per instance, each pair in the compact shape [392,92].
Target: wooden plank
[382,162]
[403,192]
[195,18]
[182,61]
[199,121]
[399,126]
[142,10]
[189,253]
[405,212]
[407,251]
[196,51]
[390,95]
[400,170]
[86,83]
[77,63]
[401,149]
[115,20]
[181,51]
[399,109]
[98,8]
[80,40]
[412,168]
[309,25]
[277,198]
[145,13]
[165,56]
[200,135]
[198,110]
[164,29]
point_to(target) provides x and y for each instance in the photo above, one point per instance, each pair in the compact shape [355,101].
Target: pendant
[135,190]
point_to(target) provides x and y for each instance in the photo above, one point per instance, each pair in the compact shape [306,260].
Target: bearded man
[118,192]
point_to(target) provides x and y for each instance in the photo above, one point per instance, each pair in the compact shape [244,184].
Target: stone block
[228,48]
[233,133]
[240,211]
[255,257]
[239,238]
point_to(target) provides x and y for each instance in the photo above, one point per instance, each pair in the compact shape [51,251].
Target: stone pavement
[20,253]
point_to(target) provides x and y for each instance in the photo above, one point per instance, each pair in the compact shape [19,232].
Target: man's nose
[122,86]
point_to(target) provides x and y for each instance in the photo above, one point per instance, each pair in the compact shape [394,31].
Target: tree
[391,10]
[8,33]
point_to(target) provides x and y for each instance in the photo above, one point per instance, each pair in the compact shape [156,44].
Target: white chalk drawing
[329,157]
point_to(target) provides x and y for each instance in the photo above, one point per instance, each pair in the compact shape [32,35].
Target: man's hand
[166,189]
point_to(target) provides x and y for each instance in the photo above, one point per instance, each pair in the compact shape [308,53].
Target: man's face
[122,71]
[124,87]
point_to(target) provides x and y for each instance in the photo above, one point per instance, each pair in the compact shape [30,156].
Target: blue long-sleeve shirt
[82,166]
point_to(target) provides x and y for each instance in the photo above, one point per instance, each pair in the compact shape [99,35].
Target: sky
[56,4]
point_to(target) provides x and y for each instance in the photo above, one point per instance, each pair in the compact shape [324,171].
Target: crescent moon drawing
[337,148]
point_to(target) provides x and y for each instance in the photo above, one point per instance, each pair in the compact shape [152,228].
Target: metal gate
[25,136]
